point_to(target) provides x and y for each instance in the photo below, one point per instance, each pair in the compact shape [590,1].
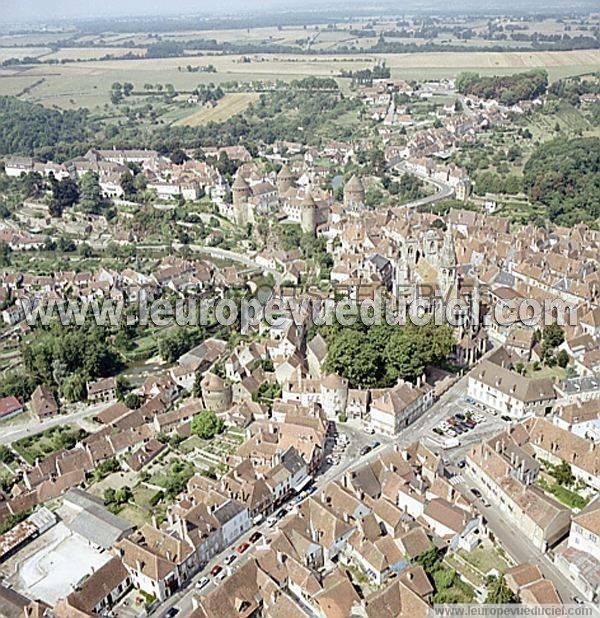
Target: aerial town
[300,465]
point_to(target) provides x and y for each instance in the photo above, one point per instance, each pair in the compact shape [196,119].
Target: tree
[132,401]
[562,358]
[92,199]
[207,424]
[6,455]
[498,592]
[563,474]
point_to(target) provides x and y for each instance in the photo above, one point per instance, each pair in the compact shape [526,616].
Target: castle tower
[401,274]
[241,190]
[354,193]
[285,179]
[308,214]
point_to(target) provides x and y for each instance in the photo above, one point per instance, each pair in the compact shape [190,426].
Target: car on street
[216,570]
[173,611]
[506,418]
[369,430]
[485,502]
[271,521]
[375,444]
[578,600]
[255,537]
[230,559]
[462,463]
[470,400]
[451,433]
[242,547]
[439,431]
[459,417]
[281,513]
[365,449]
[203,581]
[475,492]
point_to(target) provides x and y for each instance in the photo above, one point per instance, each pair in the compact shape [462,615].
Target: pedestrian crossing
[456,480]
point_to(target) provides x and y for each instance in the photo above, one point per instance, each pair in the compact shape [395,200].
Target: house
[43,403]
[102,390]
[9,407]
[97,594]
[509,392]
[396,408]
[504,473]
[580,560]
[157,562]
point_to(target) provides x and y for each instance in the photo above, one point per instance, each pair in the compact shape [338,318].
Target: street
[449,403]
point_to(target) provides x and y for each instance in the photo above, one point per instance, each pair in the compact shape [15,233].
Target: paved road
[516,544]
[443,191]
[449,403]
[16,432]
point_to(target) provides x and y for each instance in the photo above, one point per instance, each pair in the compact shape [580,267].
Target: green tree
[498,592]
[563,474]
[207,424]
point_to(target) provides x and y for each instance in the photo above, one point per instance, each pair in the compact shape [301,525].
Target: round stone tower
[354,193]
[241,190]
[308,214]
[285,179]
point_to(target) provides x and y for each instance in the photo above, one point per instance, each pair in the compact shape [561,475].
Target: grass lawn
[546,372]
[485,559]
[467,572]
[567,497]
[135,515]
[47,442]
[187,446]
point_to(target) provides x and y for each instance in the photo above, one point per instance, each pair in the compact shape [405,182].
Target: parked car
[475,492]
[365,449]
[506,418]
[578,600]
[439,431]
[173,611]
[470,400]
[451,433]
[230,559]
[485,502]
[258,519]
[271,521]
[255,537]
[242,547]
[203,581]
[369,430]
[462,463]
[375,444]
[459,417]
[216,570]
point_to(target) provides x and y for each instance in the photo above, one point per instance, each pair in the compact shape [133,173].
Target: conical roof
[354,184]
[239,182]
[308,201]
[285,173]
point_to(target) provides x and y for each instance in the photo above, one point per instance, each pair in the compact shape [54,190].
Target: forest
[507,89]
[564,176]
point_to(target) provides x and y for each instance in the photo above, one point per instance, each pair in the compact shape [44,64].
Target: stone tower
[447,261]
[308,214]
[241,190]
[354,193]
[285,179]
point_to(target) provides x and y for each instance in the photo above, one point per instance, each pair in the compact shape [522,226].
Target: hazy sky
[14,11]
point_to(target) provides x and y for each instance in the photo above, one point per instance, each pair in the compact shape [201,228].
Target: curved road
[444,191]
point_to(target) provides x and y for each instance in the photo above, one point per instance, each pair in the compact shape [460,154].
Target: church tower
[448,262]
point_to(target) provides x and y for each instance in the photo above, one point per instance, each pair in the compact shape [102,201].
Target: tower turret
[308,214]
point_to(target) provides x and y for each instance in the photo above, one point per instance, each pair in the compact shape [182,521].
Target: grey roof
[318,346]
[580,385]
[379,261]
[227,511]
[82,498]
[100,526]
[292,461]
[505,278]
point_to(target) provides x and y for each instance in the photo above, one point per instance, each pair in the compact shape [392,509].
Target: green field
[88,83]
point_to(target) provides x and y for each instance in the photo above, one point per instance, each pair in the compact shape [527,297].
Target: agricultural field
[228,106]
[87,84]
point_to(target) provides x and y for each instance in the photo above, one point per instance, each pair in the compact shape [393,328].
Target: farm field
[228,106]
[88,84]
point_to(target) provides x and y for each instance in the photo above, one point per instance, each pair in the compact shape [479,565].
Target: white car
[451,433]
[203,581]
[271,521]
[230,559]
[222,574]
